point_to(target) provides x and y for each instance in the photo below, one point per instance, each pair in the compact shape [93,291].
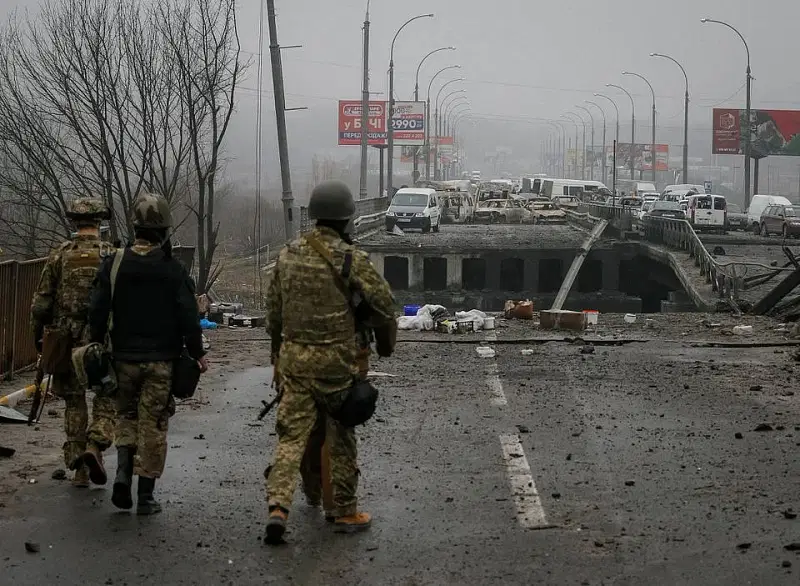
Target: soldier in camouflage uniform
[313,331]
[154,316]
[61,302]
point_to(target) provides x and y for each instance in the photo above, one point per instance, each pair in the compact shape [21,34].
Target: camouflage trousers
[77,427]
[303,404]
[311,468]
[144,406]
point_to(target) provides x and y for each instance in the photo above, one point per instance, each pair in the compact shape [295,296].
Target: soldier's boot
[81,478]
[121,493]
[276,525]
[93,459]
[145,503]
[352,523]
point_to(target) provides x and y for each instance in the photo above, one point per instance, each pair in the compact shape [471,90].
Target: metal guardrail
[18,282]
[365,208]
[724,278]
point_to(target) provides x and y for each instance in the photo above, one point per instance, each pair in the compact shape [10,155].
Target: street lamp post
[428,120]
[633,125]
[455,97]
[749,130]
[390,128]
[439,126]
[616,109]
[685,116]
[362,185]
[596,105]
[559,147]
[416,99]
[450,117]
[575,163]
[591,118]
[453,106]
[583,154]
[653,141]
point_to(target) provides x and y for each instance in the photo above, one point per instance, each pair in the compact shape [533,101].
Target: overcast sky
[521,58]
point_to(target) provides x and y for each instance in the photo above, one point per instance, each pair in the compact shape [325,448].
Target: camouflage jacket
[62,297]
[308,311]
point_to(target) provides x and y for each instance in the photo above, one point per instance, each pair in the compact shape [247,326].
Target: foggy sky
[523,60]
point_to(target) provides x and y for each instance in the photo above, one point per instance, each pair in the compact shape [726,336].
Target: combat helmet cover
[331,200]
[88,208]
[151,210]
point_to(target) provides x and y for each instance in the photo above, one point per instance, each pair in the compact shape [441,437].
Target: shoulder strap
[114,272]
[342,278]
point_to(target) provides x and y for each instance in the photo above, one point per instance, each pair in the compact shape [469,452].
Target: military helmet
[331,200]
[151,210]
[87,208]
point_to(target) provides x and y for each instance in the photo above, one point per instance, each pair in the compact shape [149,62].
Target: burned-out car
[458,207]
[547,212]
[502,211]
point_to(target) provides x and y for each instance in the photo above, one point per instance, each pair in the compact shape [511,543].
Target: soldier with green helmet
[313,322]
[150,298]
[59,318]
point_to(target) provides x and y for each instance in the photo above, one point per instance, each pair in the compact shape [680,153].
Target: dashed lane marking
[530,513]
[498,397]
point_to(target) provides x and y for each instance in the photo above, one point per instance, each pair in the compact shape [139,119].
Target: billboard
[774,132]
[445,148]
[642,157]
[350,122]
[408,123]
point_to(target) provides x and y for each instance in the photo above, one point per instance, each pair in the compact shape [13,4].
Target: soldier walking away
[153,316]
[59,322]
[312,322]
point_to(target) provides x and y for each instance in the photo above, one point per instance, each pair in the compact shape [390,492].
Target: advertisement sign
[642,157]
[708,186]
[408,123]
[445,148]
[774,132]
[350,123]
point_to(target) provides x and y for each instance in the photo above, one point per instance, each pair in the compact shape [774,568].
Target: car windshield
[790,212]
[416,200]
[734,208]
[667,205]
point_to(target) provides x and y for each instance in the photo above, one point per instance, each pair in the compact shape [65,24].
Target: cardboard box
[562,320]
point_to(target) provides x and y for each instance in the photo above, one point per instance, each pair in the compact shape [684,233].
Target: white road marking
[530,513]
[495,386]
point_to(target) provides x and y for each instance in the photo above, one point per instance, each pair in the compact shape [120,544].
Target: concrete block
[551,319]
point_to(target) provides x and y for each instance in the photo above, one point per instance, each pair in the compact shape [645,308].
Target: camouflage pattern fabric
[61,301]
[298,414]
[88,206]
[151,210]
[144,406]
[318,358]
[76,417]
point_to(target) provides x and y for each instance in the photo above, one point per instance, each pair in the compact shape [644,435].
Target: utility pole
[362,186]
[280,117]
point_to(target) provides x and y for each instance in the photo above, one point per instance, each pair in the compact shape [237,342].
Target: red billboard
[350,123]
[774,132]
[642,157]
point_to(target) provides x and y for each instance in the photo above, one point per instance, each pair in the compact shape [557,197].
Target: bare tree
[205,41]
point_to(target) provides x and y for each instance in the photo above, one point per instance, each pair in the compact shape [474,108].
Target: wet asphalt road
[631,451]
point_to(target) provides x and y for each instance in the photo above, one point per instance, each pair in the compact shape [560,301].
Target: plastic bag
[476,315]
[208,325]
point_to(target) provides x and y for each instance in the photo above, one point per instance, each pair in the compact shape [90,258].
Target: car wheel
[764,231]
[426,228]
[756,229]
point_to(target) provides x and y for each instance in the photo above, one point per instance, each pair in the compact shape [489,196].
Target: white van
[757,206]
[575,187]
[707,212]
[414,208]
[635,188]
[682,187]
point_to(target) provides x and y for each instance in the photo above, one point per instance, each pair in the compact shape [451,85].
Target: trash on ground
[208,325]
[476,316]
[7,452]
[32,547]
[8,415]
[411,310]
[59,474]
[12,399]
[630,318]
[552,319]
[425,320]
[743,330]
[592,316]
[380,374]
[485,352]
[206,343]
[397,231]
[518,309]
[243,321]
[527,351]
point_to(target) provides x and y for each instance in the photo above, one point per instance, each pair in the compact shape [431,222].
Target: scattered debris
[738,435]
[792,547]
[523,429]
[569,457]
[743,330]
[7,452]
[789,514]
[200,437]
[744,546]
[552,319]
[587,349]
[556,495]
[630,318]
[527,351]
[59,474]
[518,309]
[53,413]
[630,483]
[786,564]
[756,388]
[32,547]
[485,351]
[763,427]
